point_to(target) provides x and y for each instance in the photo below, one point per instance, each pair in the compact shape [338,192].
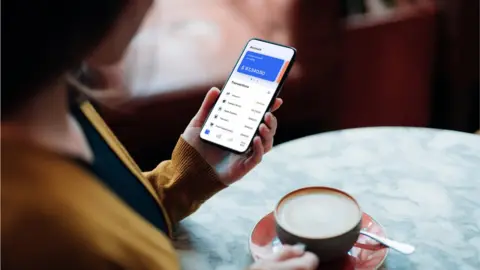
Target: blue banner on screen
[260,66]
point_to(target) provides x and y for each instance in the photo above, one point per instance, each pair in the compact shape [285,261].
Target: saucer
[367,254]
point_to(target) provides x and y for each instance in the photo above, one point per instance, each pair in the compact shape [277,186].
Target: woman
[72,197]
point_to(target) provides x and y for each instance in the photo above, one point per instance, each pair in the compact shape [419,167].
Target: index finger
[307,261]
[288,252]
[276,105]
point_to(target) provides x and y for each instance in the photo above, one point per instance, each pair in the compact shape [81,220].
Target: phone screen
[247,95]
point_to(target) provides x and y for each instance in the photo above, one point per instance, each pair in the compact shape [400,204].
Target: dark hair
[42,39]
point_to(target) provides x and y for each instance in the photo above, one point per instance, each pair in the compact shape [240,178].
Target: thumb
[205,108]
[288,252]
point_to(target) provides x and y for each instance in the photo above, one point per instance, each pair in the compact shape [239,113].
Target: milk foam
[318,214]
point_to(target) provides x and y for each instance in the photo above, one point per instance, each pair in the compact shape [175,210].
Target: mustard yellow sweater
[56,215]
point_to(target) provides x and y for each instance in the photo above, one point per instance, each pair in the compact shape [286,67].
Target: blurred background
[359,63]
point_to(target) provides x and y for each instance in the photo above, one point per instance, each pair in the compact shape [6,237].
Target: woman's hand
[229,166]
[288,258]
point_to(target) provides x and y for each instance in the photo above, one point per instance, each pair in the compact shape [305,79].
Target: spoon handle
[398,246]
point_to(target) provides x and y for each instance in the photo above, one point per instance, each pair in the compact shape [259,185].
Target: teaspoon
[398,246]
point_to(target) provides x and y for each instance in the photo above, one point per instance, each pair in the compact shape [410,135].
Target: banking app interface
[246,95]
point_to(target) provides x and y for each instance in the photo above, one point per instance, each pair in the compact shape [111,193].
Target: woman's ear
[116,41]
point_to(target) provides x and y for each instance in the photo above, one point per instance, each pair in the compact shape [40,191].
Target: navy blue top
[111,170]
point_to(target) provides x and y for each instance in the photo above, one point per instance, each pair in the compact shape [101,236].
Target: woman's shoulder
[31,170]
[38,180]
[52,206]
[39,202]
[38,183]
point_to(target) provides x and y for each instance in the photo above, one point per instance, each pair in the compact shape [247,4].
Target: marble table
[423,185]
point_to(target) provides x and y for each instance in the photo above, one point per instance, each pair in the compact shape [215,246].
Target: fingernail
[299,247]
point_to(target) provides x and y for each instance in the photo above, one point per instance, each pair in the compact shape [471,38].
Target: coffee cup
[326,220]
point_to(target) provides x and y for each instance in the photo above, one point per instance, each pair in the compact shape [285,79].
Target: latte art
[318,214]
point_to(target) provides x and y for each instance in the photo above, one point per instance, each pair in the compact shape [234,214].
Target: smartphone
[250,91]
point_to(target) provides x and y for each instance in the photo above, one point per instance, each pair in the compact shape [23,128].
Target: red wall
[386,71]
